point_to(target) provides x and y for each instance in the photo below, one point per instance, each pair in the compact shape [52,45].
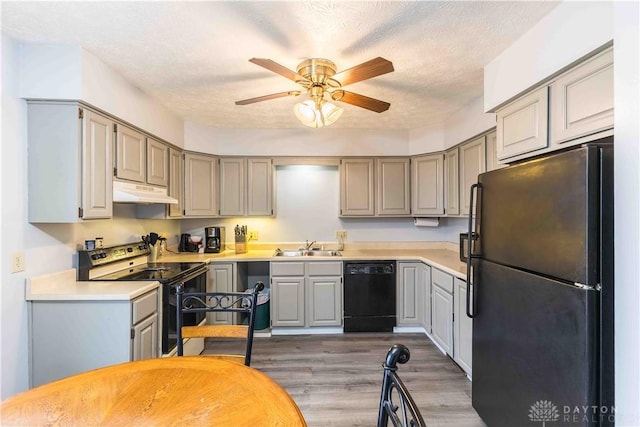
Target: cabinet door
[324,296]
[157,163]
[442,318]
[131,154]
[97,172]
[472,163]
[522,125]
[427,185]
[463,327]
[260,187]
[176,182]
[451,182]
[220,279]
[410,299]
[492,152]
[232,186]
[145,339]
[582,99]
[424,277]
[356,187]
[287,308]
[393,187]
[200,185]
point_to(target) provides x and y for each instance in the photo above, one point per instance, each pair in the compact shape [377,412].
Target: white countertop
[443,259]
[63,286]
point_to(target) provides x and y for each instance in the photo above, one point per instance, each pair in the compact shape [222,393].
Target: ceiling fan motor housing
[318,70]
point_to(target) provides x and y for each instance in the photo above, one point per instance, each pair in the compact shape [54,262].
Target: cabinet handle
[471,305]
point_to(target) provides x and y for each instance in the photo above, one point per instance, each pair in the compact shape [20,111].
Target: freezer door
[544,215]
[534,340]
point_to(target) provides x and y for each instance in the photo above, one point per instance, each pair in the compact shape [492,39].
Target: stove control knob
[103,255]
[129,249]
[95,256]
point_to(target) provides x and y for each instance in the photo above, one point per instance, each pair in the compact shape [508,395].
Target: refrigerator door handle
[471,305]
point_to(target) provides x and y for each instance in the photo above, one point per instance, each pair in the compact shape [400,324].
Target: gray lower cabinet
[221,279]
[462,327]
[72,336]
[306,294]
[413,295]
[409,294]
[442,310]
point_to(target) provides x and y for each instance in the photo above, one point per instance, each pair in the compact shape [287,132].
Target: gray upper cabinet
[357,187]
[201,176]
[246,186]
[380,187]
[176,183]
[472,163]
[451,182]
[393,187]
[492,152]
[232,186]
[260,187]
[582,99]
[427,185]
[522,125]
[69,163]
[157,163]
[131,154]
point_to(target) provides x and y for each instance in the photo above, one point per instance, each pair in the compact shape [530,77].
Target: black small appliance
[214,239]
[186,245]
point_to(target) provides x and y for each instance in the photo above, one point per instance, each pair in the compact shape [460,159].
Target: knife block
[241,245]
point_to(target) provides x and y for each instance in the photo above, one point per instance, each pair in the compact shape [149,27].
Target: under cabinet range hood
[129,192]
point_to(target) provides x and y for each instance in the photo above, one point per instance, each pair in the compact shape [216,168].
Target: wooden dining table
[172,391]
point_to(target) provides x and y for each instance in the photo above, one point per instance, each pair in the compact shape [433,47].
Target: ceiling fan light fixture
[316,116]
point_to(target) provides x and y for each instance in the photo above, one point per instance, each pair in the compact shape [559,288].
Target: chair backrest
[395,396]
[229,302]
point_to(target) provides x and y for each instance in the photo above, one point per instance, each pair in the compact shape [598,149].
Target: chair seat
[215,331]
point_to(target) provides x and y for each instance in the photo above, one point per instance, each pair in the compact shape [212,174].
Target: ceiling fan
[318,77]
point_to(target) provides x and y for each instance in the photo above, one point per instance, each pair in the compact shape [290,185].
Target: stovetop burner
[132,259]
[166,271]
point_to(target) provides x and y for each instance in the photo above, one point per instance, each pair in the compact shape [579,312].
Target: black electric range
[129,263]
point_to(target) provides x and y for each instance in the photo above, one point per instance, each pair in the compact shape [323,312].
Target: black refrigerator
[542,293]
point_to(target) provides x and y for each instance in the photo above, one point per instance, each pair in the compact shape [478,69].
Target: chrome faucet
[308,245]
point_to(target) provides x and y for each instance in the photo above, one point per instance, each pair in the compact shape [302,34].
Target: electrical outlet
[17,262]
[341,234]
[253,235]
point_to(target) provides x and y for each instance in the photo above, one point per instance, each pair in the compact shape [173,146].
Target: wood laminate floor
[336,379]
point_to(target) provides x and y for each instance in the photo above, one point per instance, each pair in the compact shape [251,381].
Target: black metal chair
[229,302]
[395,395]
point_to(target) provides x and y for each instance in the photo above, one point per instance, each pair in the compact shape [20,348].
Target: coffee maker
[214,239]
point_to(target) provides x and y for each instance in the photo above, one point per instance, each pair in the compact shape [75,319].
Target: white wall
[627,211]
[569,32]
[308,203]
[467,123]
[70,72]
[296,142]
[47,247]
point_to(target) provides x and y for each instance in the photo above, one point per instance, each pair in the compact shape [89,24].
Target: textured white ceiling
[193,56]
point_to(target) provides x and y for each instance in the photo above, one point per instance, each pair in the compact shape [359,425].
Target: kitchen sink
[306,252]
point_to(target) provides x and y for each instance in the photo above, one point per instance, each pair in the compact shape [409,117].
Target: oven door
[195,283]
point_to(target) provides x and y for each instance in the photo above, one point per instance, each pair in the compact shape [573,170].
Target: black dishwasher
[369,296]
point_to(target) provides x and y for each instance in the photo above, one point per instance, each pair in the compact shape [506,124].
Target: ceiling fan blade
[364,71]
[268,97]
[278,69]
[364,102]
